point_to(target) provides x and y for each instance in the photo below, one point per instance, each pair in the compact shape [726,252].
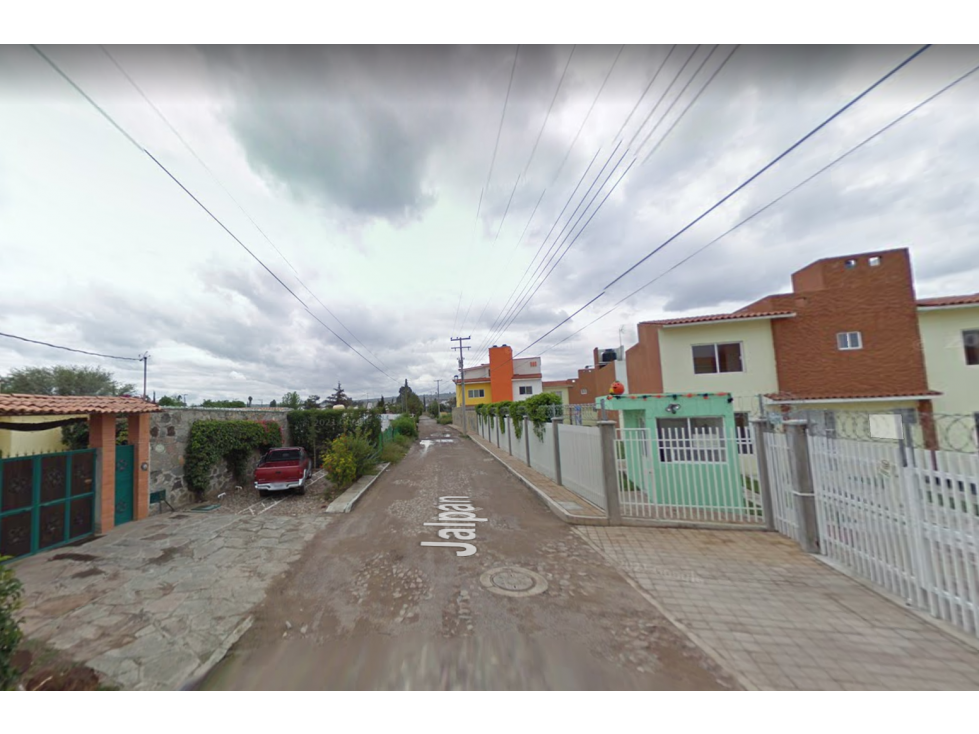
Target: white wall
[536,384]
[757,356]
[941,337]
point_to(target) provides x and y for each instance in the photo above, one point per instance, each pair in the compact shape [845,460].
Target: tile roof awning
[17,404]
[791,398]
[749,316]
[949,301]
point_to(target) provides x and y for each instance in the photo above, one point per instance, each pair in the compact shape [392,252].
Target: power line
[689,106]
[782,155]
[772,203]
[635,158]
[190,149]
[69,349]
[200,204]
[778,158]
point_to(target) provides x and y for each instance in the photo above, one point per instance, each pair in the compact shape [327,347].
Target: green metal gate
[124,483]
[46,501]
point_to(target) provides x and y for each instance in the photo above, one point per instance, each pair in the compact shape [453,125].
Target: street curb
[723,663]
[198,675]
[939,625]
[346,501]
[553,506]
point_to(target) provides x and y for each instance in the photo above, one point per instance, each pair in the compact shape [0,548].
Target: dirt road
[369,607]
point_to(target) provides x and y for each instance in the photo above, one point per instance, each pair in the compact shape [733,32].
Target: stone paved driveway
[780,619]
[154,603]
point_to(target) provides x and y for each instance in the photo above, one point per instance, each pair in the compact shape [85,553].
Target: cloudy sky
[355,175]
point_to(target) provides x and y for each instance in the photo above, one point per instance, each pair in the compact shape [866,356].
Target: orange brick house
[848,336]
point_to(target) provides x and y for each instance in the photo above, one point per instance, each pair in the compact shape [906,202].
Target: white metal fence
[700,476]
[782,484]
[904,519]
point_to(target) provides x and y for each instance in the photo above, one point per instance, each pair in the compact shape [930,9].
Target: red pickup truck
[283,469]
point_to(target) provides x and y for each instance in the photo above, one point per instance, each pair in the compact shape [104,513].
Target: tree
[408,402]
[63,380]
[291,400]
[339,397]
[272,404]
[169,402]
[433,409]
[249,401]
[381,407]
[312,402]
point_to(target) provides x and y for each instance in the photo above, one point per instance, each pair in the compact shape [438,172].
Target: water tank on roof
[609,355]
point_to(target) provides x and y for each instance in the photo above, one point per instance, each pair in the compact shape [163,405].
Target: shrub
[234,441]
[539,409]
[350,457]
[10,633]
[405,425]
[445,419]
[313,429]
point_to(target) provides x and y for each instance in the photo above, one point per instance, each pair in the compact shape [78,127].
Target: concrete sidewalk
[779,619]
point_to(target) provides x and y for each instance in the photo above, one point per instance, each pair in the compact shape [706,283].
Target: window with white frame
[849,340]
[714,358]
[584,391]
[477,393]
[691,440]
[970,340]
[526,389]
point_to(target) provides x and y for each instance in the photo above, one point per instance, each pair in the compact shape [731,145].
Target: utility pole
[144,358]
[462,378]
[438,399]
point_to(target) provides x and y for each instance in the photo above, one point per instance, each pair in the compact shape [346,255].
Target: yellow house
[477,386]
[561,388]
[18,443]
[950,342]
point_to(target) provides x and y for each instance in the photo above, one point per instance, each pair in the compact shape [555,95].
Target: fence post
[509,436]
[609,468]
[497,420]
[555,423]
[764,478]
[526,437]
[805,498]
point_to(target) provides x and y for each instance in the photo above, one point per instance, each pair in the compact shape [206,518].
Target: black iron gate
[46,501]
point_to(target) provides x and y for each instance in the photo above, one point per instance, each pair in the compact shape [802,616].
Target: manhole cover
[513,581]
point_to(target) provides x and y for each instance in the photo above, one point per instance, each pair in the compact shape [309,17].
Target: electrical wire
[775,201]
[214,177]
[69,349]
[142,149]
[775,160]
[782,155]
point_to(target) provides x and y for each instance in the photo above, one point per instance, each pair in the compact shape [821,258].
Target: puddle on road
[428,442]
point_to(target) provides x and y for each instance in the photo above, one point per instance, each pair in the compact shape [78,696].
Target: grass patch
[395,451]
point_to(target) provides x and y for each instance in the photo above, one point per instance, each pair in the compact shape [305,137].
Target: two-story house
[502,379]
[850,336]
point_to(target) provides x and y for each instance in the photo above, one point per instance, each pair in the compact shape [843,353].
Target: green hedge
[213,440]
[537,408]
[405,425]
[316,429]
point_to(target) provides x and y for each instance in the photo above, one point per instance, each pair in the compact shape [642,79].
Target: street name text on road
[457,520]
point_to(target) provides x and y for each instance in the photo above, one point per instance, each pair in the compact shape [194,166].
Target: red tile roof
[785,397]
[949,301]
[724,317]
[16,404]
[529,376]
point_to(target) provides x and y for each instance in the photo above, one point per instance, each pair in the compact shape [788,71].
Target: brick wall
[643,365]
[169,434]
[879,302]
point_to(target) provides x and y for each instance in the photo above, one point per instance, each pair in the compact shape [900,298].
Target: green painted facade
[688,457]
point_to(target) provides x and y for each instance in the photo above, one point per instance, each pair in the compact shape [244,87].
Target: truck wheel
[301,489]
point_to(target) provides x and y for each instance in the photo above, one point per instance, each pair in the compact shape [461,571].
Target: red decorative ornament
[617,388]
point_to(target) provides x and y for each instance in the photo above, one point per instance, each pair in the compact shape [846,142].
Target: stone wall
[169,434]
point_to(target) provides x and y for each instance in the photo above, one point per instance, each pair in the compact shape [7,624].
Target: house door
[124,483]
